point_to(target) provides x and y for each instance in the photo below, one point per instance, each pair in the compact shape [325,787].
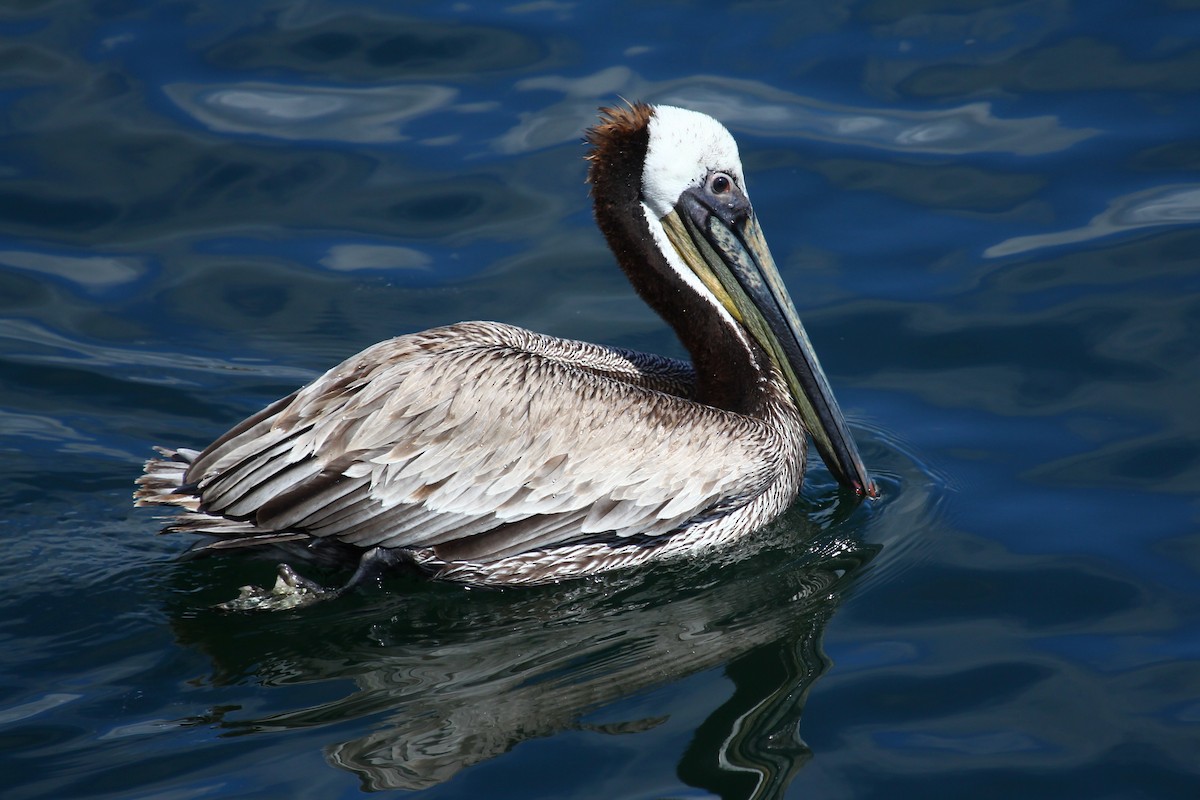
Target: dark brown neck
[730,374]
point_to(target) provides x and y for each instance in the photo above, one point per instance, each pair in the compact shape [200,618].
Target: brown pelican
[488,454]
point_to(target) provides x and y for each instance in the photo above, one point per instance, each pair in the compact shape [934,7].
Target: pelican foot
[291,590]
[374,565]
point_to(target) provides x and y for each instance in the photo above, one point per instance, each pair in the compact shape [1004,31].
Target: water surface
[986,214]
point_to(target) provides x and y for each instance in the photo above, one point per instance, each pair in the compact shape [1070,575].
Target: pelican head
[671,198]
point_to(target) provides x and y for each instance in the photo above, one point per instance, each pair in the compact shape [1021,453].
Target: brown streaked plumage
[485,453]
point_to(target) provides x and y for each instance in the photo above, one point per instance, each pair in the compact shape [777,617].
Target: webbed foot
[291,590]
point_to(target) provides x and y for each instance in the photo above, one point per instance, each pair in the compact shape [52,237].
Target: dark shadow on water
[443,678]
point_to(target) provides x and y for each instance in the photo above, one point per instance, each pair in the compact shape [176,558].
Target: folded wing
[481,441]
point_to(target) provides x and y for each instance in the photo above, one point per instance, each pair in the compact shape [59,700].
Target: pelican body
[488,454]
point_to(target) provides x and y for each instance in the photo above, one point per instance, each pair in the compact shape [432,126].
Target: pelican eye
[720,184]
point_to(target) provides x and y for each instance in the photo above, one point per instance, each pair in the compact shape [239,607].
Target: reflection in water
[91,272]
[342,42]
[28,342]
[1162,205]
[349,257]
[759,108]
[286,111]
[1079,63]
[459,677]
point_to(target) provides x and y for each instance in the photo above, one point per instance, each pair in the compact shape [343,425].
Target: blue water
[987,216]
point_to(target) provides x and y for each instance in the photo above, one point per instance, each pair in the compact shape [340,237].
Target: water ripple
[50,347]
[1177,204]
[759,108]
[284,111]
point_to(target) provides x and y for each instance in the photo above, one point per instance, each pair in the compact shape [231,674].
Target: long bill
[731,258]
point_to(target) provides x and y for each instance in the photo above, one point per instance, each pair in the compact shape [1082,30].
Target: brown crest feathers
[611,137]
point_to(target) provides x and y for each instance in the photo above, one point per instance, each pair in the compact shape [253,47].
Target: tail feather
[162,484]
[162,481]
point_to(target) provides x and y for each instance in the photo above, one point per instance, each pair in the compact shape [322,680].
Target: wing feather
[484,440]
